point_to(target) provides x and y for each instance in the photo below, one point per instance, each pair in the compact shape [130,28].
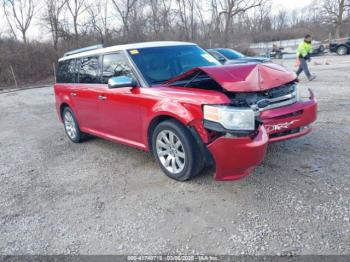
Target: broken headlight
[232,118]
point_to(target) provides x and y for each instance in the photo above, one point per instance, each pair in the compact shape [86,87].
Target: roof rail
[80,50]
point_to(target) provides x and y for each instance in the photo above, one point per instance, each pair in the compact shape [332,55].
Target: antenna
[85,49]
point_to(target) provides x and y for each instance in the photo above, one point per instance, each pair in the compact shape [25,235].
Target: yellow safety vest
[304,49]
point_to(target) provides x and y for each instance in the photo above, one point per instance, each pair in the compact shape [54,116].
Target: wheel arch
[62,107]
[153,124]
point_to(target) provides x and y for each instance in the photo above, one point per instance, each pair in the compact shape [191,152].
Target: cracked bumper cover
[236,157]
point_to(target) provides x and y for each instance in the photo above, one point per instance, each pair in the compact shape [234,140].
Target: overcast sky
[291,4]
[36,32]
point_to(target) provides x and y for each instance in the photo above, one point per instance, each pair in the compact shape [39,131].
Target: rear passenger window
[115,65]
[66,71]
[89,71]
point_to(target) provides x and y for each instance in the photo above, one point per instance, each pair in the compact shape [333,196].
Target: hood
[245,77]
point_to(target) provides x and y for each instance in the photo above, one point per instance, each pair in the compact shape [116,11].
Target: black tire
[342,50]
[79,136]
[193,162]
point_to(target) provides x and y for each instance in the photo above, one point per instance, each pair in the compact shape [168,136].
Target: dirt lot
[103,198]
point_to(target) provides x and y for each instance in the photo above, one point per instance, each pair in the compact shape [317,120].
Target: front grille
[263,100]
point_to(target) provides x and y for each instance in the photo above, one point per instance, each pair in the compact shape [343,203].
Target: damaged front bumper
[290,121]
[236,157]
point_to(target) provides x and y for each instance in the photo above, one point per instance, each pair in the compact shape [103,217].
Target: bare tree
[281,20]
[99,20]
[186,13]
[52,16]
[124,9]
[231,8]
[76,8]
[335,11]
[19,15]
[160,17]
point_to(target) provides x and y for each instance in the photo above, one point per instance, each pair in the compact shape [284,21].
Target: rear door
[86,91]
[119,107]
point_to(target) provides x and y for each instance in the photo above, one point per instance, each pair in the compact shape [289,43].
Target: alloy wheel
[70,125]
[170,151]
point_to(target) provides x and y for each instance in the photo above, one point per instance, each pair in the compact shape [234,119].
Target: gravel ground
[97,197]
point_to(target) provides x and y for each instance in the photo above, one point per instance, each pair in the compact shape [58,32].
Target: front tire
[176,150]
[71,126]
[342,50]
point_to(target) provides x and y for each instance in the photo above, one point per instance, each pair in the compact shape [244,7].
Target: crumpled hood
[250,77]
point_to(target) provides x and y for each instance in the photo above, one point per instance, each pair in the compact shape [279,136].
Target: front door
[119,107]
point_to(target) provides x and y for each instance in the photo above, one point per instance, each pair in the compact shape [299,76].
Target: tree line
[210,23]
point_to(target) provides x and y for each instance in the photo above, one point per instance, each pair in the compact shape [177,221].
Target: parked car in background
[317,48]
[340,46]
[176,101]
[230,56]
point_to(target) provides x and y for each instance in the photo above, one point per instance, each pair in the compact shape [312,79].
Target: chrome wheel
[170,151]
[69,125]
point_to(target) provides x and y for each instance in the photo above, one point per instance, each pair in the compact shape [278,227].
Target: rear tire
[342,50]
[176,150]
[71,126]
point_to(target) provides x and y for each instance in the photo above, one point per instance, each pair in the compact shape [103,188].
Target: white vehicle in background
[285,48]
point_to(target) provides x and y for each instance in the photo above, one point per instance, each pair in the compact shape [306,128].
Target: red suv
[175,100]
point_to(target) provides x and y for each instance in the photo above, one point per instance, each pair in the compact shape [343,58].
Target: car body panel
[127,112]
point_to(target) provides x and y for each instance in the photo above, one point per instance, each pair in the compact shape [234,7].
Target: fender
[184,113]
[62,98]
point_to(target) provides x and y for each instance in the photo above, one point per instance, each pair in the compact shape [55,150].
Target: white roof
[125,47]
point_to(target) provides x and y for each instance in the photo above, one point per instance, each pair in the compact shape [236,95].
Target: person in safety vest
[304,55]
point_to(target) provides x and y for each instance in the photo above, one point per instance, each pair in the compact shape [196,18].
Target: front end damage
[236,157]
[271,92]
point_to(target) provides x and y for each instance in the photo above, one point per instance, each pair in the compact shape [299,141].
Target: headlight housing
[232,118]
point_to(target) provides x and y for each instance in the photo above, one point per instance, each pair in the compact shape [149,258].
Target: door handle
[102,97]
[73,94]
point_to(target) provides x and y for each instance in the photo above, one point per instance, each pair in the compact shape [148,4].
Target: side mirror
[121,81]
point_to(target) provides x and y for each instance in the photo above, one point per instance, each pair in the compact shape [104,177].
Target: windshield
[230,54]
[159,64]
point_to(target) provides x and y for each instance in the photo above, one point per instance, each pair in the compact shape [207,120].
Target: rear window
[66,71]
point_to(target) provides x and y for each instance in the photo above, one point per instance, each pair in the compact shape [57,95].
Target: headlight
[232,118]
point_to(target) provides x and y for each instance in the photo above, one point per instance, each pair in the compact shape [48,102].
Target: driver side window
[115,65]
